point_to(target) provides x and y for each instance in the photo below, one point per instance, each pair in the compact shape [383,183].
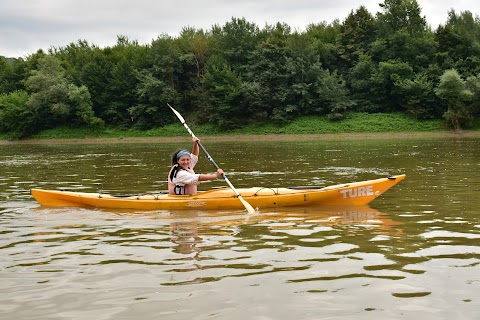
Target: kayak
[355,193]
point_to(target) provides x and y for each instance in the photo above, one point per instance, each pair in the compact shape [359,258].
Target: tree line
[239,74]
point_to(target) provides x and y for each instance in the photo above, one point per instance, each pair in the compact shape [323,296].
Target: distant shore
[263,137]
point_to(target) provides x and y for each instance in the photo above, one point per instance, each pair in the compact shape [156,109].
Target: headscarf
[182,153]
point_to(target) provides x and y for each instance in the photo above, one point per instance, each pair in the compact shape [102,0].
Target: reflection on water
[413,253]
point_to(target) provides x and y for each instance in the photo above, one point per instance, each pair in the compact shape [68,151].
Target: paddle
[245,203]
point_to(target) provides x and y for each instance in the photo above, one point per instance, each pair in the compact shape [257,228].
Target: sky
[29,25]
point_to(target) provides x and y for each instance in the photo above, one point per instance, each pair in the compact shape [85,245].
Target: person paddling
[182,179]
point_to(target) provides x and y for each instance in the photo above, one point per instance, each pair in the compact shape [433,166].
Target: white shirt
[187,178]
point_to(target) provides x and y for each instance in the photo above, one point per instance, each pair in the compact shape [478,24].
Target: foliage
[15,116]
[356,34]
[12,71]
[459,43]
[419,96]
[235,43]
[473,84]
[54,101]
[453,90]
[225,94]
[239,75]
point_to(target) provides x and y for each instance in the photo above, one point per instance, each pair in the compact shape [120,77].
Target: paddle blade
[247,205]
[179,116]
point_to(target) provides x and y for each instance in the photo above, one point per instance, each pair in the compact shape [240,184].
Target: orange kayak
[355,193]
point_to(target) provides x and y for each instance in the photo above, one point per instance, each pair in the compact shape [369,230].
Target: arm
[184,177]
[195,149]
[211,176]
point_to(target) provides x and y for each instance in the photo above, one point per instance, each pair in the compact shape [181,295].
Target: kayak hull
[356,193]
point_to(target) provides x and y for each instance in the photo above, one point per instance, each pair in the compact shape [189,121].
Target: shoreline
[257,137]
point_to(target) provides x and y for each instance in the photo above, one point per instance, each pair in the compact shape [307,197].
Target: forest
[241,73]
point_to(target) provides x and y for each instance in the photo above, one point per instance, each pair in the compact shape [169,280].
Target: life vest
[176,188]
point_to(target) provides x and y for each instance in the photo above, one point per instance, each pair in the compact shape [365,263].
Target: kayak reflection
[190,231]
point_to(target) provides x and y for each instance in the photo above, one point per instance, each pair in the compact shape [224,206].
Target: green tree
[385,84]
[419,97]
[196,47]
[80,103]
[49,93]
[125,59]
[287,79]
[459,43]
[154,93]
[159,83]
[235,43]
[452,89]
[54,101]
[356,34]
[224,88]
[90,66]
[16,118]
[323,39]
[73,58]
[400,14]
[473,84]
[380,87]
[403,35]
[395,65]
[12,72]
[314,89]
[359,80]
[5,72]
[95,75]
[270,77]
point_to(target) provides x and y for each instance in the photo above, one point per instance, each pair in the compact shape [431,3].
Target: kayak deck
[355,193]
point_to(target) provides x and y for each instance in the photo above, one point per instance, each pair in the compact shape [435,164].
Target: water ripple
[414,254]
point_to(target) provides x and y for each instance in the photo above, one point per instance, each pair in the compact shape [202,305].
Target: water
[413,253]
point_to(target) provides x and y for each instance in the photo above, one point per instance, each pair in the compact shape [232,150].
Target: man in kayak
[182,179]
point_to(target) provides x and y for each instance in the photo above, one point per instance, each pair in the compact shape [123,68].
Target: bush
[16,118]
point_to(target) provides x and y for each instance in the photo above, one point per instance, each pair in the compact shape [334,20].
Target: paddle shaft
[247,206]
[216,166]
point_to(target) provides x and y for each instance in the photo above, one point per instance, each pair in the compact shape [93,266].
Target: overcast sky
[29,25]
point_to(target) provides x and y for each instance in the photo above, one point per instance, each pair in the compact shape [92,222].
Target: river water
[414,253]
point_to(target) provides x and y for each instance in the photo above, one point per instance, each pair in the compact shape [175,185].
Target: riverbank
[259,137]
[355,126]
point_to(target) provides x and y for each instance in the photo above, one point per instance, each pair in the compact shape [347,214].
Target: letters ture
[357,192]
